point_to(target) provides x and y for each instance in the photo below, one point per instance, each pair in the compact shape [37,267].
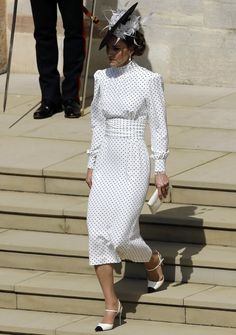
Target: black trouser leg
[74,47]
[45,18]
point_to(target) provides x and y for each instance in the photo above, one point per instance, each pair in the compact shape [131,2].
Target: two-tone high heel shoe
[153,286]
[108,326]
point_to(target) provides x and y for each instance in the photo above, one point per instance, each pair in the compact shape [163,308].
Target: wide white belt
[124,128]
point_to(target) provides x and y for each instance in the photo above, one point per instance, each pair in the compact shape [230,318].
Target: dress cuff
[160,165]
[91,160]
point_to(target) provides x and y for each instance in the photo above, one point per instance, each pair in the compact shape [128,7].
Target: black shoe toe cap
[98,329]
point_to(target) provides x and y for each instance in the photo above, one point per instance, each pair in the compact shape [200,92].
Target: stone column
[3,43]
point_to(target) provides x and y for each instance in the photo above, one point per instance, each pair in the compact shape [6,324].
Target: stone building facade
[193,41]
[3,49]
[189,41]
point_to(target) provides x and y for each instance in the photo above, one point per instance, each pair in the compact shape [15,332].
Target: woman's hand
[162,185]
[89,177]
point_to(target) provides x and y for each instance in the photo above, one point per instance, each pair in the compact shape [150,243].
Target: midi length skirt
[119,187]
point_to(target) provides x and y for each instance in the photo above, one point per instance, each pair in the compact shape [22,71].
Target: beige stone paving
[34,203]
[62,284]
[50,159]
[209,317]
[205,139]
[75,211]
[26,124]
[10,277]
[40,242]
[66,186]
[96,307]
[21,84]
[30,156]
[76,245]
[173,132]
[45,262]
[220,172]
[196,216]
[7,300]
[225,102]
[75,167]
[201,275]
[189,95]
[22,183]
[2,230]
[170,294]
[5,121]
[178,95]
[69,324]
[179,161]
[25,108]
[35,222]
[87,286]
[16,103]
[34,322]
[174,214]
[203,196]
[86,327]
[202,117]
[197,255]
[216,297]
[64,129]
[206,216]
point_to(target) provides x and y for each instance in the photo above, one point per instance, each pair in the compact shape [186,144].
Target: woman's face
[118,53]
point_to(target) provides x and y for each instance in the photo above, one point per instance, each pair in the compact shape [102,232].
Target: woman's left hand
[162,184]
[89,177]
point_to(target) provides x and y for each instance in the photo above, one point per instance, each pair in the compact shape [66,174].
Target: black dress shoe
[72,109]
[47,109]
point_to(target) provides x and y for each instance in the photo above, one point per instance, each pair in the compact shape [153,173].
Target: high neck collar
[123,69]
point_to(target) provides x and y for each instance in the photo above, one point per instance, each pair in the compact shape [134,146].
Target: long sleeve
[157,123]
[97,123]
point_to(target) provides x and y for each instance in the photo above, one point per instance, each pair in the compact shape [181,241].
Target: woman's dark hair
[140,45]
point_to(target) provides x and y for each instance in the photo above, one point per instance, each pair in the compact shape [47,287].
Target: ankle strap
[159,264]
[113,310]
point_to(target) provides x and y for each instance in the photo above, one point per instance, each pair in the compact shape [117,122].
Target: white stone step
[40,212]
[81,294]
[190,224]
[31,322]
[203,196]
[59,164]
[45,323]
[67,214]
[25,159]
[212,183]
[69,253]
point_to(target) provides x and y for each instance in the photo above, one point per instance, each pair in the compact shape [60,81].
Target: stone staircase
[46,284]
[44,271]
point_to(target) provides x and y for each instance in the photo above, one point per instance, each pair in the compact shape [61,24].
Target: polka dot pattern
[125,99]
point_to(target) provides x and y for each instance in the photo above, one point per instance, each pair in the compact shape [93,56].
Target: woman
[126,96]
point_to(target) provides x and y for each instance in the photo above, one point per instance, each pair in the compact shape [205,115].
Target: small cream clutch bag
[154,202]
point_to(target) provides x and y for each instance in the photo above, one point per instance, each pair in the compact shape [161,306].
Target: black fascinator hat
[122,20]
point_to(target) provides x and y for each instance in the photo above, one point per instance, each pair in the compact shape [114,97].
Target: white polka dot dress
[125,99]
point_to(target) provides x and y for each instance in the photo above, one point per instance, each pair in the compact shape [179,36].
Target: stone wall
[189,41]
[193,41]
[3,49]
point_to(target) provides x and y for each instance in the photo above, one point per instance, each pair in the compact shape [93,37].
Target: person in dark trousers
[54,98]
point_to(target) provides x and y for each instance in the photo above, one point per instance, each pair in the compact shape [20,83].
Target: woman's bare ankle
[112,304]
[154,271]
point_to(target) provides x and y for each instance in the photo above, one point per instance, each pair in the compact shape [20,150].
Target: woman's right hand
[162,185]
[89,177]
